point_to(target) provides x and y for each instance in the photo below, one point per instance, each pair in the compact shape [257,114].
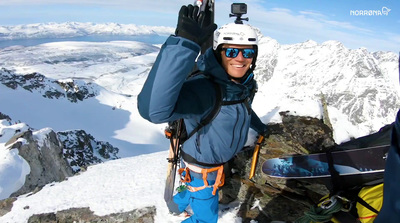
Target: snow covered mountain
[92,86]
[358,84]
[74,29]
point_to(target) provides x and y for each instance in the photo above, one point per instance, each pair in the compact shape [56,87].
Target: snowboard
[362,161]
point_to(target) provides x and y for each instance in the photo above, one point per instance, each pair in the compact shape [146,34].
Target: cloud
[285,20]
[345,26]
[313,14]
[394,37]
[288,27]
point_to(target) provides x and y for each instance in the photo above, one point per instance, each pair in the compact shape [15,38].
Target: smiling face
[236,67]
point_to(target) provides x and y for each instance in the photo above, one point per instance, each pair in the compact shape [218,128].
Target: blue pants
[203,203]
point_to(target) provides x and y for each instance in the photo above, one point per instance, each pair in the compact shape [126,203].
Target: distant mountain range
[362,85]
[75,29]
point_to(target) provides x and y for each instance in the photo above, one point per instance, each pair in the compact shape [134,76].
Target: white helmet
[232,33]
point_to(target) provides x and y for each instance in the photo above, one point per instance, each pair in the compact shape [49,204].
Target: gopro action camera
[238,9]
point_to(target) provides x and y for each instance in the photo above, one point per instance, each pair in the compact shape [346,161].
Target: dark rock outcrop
[4,116]
[6,205]
[266,199]
[45,159]
[82,150]
[74,90]
[145,215]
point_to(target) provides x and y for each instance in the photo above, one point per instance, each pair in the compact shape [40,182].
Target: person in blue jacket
[168,95]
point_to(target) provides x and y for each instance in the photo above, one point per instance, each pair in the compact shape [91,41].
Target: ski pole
[255,156]
[199,3]
[206,6]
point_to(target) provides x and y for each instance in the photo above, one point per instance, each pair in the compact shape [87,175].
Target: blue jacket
[168,95]
[390,212]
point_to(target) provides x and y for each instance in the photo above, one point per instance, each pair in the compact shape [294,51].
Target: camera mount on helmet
[238,9]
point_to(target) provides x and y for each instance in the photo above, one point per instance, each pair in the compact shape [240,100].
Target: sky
[286,21]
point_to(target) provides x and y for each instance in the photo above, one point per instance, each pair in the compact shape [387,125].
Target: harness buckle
[347,204]
[329,203]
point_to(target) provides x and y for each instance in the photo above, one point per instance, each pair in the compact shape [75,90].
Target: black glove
[266,133]
[191,25]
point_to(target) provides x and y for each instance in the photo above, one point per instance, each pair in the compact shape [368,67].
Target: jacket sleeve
[390,212]
[164,87]
[256,123]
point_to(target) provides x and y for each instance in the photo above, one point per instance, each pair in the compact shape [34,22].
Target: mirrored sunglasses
[234,52]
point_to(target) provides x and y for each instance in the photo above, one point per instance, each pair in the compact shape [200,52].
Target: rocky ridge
[53,157]
[82,149]
[73,90]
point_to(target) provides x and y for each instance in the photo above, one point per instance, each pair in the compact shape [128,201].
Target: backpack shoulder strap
[214,112]
[247,101]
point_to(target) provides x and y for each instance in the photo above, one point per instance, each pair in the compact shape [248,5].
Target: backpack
[355,204]
[373,196]
[366,199]
[179,124]
[177,129]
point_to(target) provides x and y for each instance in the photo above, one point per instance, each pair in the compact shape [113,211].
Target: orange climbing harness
[219,181]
